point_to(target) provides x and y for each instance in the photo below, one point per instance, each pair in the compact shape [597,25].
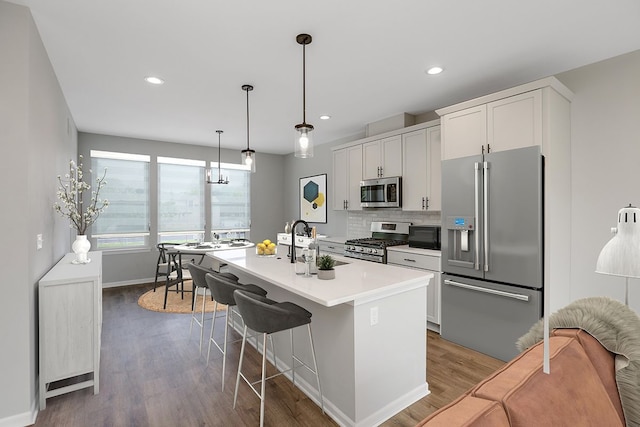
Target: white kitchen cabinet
[347,174]
[422,259]
[70,324]
[421,174]
[464,133]
[382,158]
[504,124]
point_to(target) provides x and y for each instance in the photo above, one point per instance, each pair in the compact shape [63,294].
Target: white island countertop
[357,282]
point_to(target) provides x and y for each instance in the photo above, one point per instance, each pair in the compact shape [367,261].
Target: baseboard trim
[127,283]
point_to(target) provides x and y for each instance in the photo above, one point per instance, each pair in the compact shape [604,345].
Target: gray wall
[267,198]
[38,140]
[605,154]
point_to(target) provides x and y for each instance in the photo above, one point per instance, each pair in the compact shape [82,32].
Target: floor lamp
[621,255]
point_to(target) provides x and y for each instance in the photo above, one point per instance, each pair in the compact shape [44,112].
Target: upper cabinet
[347,174]
[504,124]
[382,158]
[421,170]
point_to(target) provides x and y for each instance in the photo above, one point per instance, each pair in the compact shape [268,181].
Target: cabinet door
[354,166]
[414,174]
[515,122]
[464,132]
[340,192]
[434,170]
[392,156]
[67,329]
[371,160]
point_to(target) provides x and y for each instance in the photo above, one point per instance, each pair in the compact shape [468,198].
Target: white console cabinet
[70,310]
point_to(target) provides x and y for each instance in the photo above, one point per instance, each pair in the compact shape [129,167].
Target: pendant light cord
[247,90]
[304,85]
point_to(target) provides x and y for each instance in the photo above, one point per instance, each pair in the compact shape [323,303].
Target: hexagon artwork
[310,191]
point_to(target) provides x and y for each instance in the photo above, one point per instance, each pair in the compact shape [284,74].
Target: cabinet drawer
[301,241]
[425,262]
[331,247]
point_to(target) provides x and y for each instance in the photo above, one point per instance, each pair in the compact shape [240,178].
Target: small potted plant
[325,267]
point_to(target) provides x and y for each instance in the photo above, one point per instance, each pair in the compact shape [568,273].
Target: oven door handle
[520,297]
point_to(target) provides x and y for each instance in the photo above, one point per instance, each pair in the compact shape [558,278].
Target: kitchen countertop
[357,282]
[407,249]
[333,239]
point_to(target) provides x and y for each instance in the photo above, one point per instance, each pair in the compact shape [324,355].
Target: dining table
[177,253]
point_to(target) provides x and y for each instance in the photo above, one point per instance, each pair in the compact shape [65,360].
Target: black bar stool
[267,317]
[222,287]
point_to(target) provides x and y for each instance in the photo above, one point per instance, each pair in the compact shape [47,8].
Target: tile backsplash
[359,222]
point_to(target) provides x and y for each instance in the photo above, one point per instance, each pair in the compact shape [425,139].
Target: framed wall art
[313,198]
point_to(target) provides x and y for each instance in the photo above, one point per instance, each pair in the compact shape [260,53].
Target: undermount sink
[338,262]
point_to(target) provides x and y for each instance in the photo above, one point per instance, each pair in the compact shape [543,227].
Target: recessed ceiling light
[434,70]
[154,80]
[325,117]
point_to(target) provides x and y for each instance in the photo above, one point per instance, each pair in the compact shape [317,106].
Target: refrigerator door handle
[477,214]
[486,215]
[487,290]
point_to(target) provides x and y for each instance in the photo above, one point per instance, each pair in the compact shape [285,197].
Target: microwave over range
[381,192]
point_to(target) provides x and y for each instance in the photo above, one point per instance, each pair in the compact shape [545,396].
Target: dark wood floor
[153,375]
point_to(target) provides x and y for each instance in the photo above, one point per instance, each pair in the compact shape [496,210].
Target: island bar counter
[369,328]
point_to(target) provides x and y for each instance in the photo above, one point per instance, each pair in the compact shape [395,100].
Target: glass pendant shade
[304,141]
[248,158]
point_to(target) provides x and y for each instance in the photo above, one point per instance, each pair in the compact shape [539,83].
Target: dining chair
[163,267]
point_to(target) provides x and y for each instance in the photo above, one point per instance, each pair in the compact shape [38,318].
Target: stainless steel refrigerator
[492,249]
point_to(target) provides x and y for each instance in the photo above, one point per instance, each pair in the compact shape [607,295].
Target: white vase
[81,247]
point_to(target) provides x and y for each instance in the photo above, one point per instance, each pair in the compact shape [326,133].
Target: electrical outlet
[39,241]
[373,313]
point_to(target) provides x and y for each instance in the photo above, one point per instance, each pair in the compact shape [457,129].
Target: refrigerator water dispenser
[460,232]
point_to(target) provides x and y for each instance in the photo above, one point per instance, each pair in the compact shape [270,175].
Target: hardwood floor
[153,375]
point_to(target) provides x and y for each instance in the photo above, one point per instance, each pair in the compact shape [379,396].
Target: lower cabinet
[422,260]
[70,323]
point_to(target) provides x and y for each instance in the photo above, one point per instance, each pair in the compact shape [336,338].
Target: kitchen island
[368,326]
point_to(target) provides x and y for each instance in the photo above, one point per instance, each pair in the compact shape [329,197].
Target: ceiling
[367,60]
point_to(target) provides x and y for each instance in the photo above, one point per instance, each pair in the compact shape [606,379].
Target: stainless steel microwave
[425,236]
[381,192]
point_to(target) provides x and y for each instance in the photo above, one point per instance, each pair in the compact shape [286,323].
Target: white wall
[38,138]
[605,135]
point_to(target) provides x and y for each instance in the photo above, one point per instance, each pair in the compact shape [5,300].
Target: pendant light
[304,135]
[220,180]
[248,155]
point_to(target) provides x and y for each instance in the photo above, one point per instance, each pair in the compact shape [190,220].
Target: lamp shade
[621,255]
[304,140]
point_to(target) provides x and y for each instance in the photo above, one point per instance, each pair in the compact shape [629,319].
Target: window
[125,223]
[231,203]
[181,204]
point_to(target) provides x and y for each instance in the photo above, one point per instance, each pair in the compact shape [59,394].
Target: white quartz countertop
[333,239]
[407,249]
[356,282]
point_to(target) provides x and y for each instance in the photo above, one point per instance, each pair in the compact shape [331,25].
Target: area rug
[154,301]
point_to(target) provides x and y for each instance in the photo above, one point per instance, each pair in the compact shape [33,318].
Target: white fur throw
[617,328]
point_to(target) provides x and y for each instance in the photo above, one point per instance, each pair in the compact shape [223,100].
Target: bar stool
[222,288]
[200,287]
[267,317]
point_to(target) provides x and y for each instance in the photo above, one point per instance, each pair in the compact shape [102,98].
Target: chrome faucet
[307,230]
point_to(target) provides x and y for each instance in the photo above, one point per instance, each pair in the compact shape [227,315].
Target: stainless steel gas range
[374,248]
